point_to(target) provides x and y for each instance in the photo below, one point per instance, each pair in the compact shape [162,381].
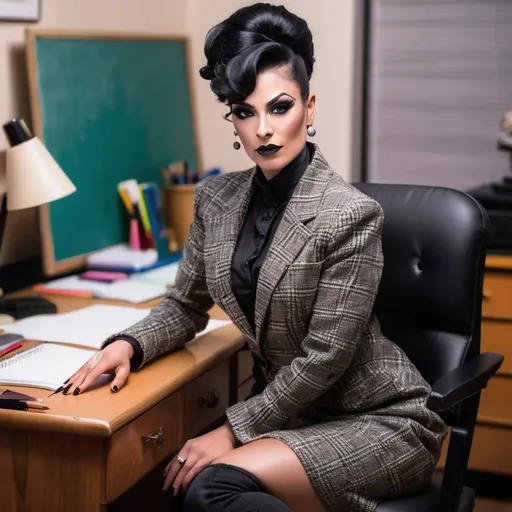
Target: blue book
[150,191]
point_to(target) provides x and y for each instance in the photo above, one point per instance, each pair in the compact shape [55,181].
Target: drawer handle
[157,437]
[486,295]
[210,402]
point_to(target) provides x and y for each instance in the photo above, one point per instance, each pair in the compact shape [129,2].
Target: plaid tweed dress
[345,399]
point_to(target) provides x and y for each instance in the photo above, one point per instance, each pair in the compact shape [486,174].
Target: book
[122,256]
[44,365]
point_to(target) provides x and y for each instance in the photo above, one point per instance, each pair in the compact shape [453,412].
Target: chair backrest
[429,302]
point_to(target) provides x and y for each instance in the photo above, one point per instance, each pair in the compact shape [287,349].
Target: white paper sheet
[89,326]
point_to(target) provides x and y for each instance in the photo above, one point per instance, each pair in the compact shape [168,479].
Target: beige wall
[153,16]
[334,34]
[333,28]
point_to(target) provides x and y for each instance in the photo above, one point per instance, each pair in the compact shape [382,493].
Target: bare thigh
[279,469]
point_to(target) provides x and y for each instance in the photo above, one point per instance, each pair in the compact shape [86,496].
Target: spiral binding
[22,354]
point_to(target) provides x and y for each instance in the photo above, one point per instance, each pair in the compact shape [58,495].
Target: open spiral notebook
[48,364]
[45,365]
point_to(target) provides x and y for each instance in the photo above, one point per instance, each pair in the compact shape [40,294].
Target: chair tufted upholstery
[430,294]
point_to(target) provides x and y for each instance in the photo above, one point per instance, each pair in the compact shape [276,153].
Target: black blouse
[267,207]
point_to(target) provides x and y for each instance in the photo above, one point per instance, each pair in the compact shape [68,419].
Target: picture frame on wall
[20,10]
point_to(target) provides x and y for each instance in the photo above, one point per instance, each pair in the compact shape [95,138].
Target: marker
[12,348]
[18,405]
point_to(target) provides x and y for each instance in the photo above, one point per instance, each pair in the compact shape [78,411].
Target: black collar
[282,185]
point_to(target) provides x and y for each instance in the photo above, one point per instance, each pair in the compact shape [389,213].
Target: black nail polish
[66,389]
[65,382]
[58,390]
[115,389]
[77,390]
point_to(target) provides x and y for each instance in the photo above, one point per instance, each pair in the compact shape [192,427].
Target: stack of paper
[122,255]
[128,290]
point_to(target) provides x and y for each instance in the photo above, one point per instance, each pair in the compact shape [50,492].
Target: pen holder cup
[178,208]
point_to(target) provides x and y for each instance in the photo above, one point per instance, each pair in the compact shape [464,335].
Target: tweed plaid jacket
[314,327]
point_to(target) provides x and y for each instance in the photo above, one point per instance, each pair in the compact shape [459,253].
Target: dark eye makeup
[282,107]
[278,108]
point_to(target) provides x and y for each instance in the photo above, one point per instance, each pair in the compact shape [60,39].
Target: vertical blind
[440,80]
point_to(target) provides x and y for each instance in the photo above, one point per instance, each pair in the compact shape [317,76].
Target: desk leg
[43,471]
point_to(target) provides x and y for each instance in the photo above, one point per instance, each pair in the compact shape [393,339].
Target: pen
[18,405]
[62,388]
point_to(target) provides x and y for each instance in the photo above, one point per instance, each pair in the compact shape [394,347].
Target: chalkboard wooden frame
[52,267]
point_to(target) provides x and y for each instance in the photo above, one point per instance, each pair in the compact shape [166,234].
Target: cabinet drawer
[497,337]
[496,402]
[132,453]
[206,399]
[491,450]
[496,301]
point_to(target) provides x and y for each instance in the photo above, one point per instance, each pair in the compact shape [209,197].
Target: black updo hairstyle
[253,39]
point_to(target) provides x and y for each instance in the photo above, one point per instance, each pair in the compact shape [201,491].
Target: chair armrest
[463,382]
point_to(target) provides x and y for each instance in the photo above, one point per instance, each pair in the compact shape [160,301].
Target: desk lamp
[33,178]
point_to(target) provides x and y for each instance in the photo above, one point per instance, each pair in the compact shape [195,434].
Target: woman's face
[272,121]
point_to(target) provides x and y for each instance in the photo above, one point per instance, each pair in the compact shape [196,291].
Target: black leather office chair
[429,303]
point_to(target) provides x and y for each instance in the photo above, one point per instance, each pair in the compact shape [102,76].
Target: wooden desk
[87,450]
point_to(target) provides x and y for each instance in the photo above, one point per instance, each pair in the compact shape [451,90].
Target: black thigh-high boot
[225,488]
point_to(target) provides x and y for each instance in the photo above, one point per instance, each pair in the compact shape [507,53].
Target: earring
[236,144]
[311,130]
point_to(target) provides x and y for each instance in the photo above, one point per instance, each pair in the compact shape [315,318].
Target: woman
[293,255]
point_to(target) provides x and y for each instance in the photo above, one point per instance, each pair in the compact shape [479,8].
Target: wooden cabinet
[493,436]
[491,451]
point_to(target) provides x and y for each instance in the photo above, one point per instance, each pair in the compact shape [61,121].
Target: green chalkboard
[108,108]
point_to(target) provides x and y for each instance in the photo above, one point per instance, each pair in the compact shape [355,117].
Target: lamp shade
[33,176]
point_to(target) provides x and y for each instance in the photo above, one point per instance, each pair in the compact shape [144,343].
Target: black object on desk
[23,307]
[20,405]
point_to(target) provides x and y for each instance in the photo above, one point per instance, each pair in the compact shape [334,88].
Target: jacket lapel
[232,222]
[292,233]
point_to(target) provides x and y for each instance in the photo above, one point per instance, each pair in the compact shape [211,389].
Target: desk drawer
[132,454]
[206,399]
[496,302]
[496,402]
[497,337]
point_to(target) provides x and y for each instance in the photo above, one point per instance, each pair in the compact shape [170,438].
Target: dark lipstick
[271,149]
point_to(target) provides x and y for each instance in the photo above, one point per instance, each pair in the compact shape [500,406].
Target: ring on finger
[180,460]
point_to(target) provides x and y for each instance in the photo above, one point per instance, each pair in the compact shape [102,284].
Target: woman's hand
[114,358]
[197,454]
